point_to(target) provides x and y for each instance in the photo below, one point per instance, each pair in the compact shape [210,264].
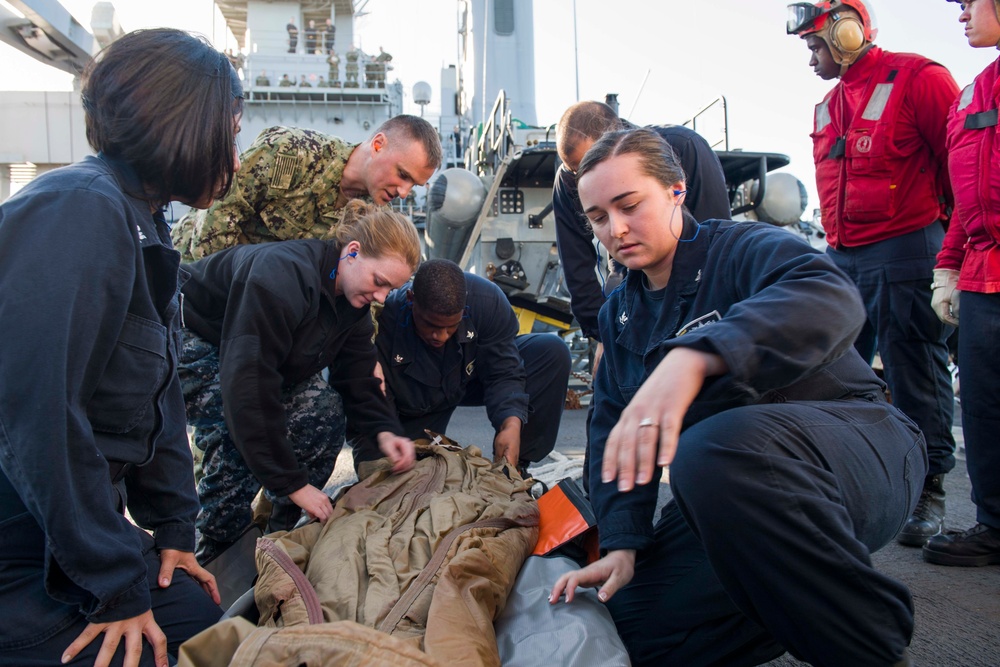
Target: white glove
[944,296]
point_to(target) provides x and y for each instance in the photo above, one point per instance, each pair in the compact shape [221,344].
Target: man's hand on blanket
[507,442]
[315,503]
[610,573]
[400,450]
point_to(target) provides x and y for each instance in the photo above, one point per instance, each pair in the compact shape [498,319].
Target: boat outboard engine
[784,202]
[454,201]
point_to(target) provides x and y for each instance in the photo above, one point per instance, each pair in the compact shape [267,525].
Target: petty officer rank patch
[697,323]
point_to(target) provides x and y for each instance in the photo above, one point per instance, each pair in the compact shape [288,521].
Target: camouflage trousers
[316,422]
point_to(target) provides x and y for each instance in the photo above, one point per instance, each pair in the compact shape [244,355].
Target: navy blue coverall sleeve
[500,368]
[625,521]
[257,335]
[161,496]
[792,311]
[577,254]
[353,376]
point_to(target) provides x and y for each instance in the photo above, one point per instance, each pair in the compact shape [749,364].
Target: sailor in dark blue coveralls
[579,127]
[450,338]
[729,358]
[91,413]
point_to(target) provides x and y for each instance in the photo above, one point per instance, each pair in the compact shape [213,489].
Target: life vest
[859,165]
[973,152]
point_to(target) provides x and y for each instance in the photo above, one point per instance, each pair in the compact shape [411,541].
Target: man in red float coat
[881,173]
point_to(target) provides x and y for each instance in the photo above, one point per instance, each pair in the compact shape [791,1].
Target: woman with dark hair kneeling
[729,359]
[91,415]
[262,322]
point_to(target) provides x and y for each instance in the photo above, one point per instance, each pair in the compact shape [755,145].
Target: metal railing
[692,122]
[497,138]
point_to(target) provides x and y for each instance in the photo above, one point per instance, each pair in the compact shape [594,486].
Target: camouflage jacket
[286,189]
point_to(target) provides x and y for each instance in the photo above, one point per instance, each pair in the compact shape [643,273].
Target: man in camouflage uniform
[293,184]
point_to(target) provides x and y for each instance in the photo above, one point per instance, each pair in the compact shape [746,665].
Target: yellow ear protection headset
[845,35]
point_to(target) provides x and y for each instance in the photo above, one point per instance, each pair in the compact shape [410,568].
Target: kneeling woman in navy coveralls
[729,358]
[91,414]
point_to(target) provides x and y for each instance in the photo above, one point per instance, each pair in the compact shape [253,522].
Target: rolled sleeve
[625,520]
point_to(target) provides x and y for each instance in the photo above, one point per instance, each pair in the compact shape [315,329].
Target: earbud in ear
[678,193]
[350,254]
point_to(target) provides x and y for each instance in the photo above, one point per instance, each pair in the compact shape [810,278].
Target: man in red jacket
[881,173]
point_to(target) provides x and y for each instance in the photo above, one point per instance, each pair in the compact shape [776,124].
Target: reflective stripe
[876,105]
[822,116]
[967,94]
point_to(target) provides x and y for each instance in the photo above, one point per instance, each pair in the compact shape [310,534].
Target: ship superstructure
[297,59]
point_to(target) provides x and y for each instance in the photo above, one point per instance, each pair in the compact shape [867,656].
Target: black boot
[978,546]
[928,518]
